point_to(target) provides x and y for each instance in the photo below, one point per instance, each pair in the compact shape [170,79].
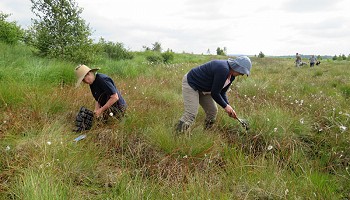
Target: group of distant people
[313,60]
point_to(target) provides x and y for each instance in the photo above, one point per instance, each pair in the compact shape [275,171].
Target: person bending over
[206,85]
[107,97]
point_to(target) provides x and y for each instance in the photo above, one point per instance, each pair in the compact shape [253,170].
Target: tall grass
[297,146]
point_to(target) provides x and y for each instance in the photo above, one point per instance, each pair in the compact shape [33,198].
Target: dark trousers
[118,112]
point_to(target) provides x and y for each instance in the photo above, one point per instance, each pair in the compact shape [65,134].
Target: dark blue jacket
[211,77]
[102,88]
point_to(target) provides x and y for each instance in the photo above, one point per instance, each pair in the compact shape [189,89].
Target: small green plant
[345,90]
[318,73]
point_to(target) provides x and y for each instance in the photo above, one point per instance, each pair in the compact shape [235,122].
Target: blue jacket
[211,77]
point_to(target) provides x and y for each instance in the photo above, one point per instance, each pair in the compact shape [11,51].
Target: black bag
[83,120]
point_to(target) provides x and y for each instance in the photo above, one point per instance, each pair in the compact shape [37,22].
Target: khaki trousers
[192,99]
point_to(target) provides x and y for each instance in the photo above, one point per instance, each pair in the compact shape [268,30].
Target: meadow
[297,147]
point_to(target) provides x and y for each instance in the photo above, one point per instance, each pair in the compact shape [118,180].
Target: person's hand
[98,112]
[229,110]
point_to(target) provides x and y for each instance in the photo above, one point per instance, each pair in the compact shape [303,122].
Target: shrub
[168,56]
[114,51]
[261,55]
[154,57]
[10,33]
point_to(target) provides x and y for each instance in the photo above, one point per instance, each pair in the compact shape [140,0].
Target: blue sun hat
[241,64]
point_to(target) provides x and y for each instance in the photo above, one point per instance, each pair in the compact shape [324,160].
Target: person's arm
[225,89]
[228,109]
[97,106]
[112,99]
[216,88]
[218,98]
[216,95]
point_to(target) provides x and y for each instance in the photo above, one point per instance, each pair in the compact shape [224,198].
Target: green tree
[343,57]
[220,51]
[261,55]
[335,57]
[10,32]
[60,32]
[157,47]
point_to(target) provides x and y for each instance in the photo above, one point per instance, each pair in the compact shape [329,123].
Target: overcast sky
[275,27]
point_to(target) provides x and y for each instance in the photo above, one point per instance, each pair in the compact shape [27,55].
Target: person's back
[298,60]
[312,60]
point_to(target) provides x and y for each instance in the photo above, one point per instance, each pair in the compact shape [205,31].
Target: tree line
[58,31]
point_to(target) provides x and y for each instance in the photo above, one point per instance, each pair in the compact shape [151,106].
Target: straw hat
[81,71]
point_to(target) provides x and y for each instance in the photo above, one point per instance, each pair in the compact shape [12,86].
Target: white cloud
[311,5]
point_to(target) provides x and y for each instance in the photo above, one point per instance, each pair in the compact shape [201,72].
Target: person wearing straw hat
[206,85]
[108,99]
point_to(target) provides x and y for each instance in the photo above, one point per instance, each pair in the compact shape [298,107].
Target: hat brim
[80,79]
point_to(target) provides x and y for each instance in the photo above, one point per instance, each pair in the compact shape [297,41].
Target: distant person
[297,60]
[107,97]
[207,85]
[312,60]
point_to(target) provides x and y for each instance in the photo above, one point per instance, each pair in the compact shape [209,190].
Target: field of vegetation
[297,147]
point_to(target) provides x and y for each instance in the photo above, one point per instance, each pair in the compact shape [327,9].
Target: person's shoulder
[101,76]
[219,62]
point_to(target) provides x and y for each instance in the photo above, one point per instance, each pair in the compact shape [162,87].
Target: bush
[154,57]
[114,51]
[168,56]
[261,55]
[10,33]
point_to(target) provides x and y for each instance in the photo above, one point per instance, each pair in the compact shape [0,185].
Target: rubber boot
[208,124]
[181,127]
